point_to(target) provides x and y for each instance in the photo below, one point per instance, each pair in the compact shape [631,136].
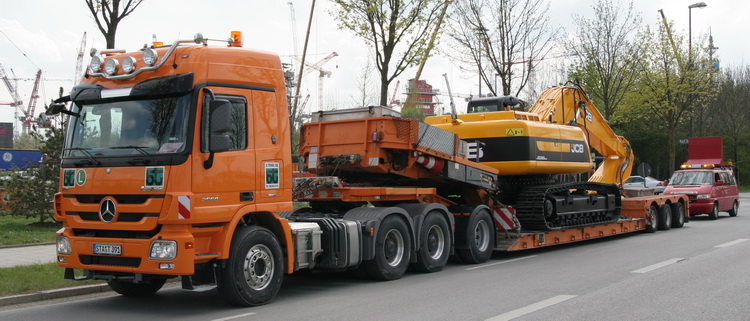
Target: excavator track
[567,205]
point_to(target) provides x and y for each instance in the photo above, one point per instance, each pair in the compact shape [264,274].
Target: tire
[652,221]
[735,209]
[253,273]
[392,250]
[435,243]
[714,215]
[665,217]
[479,238]
[678,215]
[136,289]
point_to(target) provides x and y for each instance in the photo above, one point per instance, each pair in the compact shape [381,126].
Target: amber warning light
[236,40]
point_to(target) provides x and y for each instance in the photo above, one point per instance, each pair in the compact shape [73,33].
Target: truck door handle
[246,196]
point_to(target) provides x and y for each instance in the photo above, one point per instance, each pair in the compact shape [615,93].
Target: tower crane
[79,60]
[28,113]
[321,74]
[393,101]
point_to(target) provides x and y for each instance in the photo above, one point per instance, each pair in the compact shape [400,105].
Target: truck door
[230,178]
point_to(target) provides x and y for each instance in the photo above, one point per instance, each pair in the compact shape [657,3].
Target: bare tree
[111,12]
[501,38]
[608,48]
[729,113]
[365,84]
[397,30]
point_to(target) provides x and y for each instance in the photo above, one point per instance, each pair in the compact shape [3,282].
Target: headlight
[110,67]
[63,245]
[128,65]
[703,196]
[150,56]
[163,250]
[96,64]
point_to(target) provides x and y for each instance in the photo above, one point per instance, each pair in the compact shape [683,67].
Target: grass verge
[32,278]
[21,230]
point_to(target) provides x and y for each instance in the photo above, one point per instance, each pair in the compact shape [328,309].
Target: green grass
[32,278]
[744,188]
[21,230]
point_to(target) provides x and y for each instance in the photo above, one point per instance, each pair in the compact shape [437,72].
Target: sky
[46,34]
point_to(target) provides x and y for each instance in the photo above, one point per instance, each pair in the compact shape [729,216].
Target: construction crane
[79,61]
[393,101]
[322,73]
[28,113]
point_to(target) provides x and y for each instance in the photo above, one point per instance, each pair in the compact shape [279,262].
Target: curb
[53,294]
[25,245]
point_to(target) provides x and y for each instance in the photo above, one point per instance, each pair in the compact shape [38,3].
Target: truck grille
[121,217]
[116,234]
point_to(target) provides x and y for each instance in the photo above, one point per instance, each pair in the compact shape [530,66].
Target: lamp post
[690,46]
[480,32]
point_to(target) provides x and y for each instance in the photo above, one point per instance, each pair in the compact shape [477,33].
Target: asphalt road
[699,272]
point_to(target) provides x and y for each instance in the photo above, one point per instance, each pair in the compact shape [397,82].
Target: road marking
[731,243]
[234,317]
[531,308]
[497,263]
[657,265]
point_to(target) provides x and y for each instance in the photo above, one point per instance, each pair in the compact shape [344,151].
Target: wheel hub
[258,267]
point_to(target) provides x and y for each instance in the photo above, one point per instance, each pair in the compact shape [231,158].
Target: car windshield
[148,126]
[634,179]
[692,178]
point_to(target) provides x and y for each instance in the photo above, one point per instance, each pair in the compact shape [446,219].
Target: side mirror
[219,125]
[720,182]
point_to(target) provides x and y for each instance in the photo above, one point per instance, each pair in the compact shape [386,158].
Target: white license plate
[108,249]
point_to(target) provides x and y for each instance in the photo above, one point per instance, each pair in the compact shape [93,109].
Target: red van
[711,190]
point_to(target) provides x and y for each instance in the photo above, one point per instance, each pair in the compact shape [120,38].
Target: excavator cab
[491,104]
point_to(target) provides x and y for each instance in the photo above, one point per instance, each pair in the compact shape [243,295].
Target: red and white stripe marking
[504,218]
[435,165]
[183,210]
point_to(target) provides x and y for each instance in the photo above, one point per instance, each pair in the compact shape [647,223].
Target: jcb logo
[475,152]
[576,148]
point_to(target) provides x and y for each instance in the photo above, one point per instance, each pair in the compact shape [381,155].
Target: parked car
[711,190]
[638,182]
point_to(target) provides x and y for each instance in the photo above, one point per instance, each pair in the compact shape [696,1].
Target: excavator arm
[569,105]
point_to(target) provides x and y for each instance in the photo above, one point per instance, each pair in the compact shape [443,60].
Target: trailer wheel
[253,274]
[392,250]
[127,288]
[435,240]
[652,222]
[714,215]
[479,237]
[678,215]
[665,217]
[735,209]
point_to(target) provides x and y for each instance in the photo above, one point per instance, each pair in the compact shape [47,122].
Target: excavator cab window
[491,104]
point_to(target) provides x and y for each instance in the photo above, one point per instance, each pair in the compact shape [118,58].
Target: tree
[32,189]
[397,30]
[729,114]
[365,84]
[506,38]
[668,88]
[111,12]
[26,141]
[608,50]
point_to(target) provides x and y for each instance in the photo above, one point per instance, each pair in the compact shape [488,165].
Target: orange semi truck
[177,163]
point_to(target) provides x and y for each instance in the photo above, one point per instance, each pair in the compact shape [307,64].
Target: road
[699,272]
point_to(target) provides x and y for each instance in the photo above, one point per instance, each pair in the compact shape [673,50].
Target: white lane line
[531,308]
[657,265]
[731,243]
[234,317]
[497,263]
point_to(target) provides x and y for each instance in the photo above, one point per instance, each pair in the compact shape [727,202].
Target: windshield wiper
[140,149]
[85,151]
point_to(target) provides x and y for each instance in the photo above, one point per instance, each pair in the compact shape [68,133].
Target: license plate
[108,249]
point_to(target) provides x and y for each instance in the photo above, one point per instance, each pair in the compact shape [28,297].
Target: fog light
[128,65]
[166,266]
[63,245]
[150,56]
[96,64]
[111,66]
[61,259]
[163,250]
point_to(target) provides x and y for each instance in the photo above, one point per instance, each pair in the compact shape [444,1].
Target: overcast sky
[46,34]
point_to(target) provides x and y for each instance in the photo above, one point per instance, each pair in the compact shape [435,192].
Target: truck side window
[238,132]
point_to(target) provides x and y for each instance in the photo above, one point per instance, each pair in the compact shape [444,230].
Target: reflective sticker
[81,177]
[514,132]
[69,179]
[154,176]
[183,207]
[272,175]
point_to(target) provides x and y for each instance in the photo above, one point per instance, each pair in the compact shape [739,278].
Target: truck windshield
[692,178]
[148,126]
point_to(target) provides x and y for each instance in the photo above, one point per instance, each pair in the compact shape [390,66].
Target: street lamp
[690,43]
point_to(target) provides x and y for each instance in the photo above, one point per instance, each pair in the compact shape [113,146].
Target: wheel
[714,215]
[254,271]
[665,217]
[652,222]
[136,289]
[392,250]
[435,240]
[479,237]
[678,215]
[735,209]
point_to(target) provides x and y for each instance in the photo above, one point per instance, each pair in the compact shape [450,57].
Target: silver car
[648,182]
